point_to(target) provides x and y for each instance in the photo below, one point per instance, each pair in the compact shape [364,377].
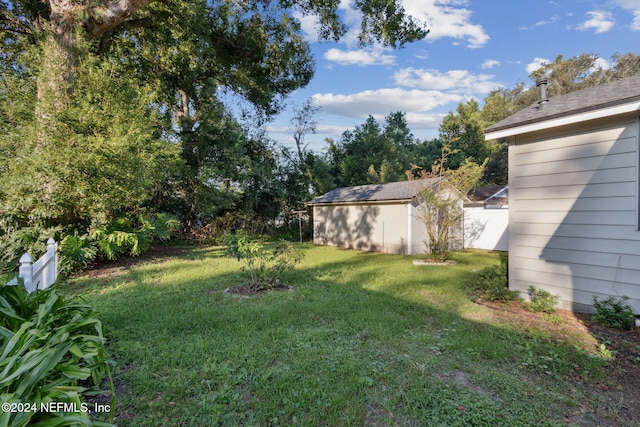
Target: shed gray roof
[602,96]
[375,192]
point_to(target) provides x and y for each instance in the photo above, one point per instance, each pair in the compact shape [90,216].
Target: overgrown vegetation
[492,284]
[124,235]
[542,301]
[613,312]
[440,202]
[52,349]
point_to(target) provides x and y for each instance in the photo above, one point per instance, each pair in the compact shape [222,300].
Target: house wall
[486,228]
[380,227]
[573,212]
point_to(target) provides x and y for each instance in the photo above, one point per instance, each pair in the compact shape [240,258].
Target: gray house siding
[573,211]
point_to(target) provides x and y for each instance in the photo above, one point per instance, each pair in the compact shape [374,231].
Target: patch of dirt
[108,269]
[621,388]
[249,290]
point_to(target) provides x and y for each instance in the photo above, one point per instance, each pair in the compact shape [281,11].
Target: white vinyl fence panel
[486,228]
[40,274]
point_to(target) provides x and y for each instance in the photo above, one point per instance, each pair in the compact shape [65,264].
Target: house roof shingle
[619,92]
[392,191]
[481,194]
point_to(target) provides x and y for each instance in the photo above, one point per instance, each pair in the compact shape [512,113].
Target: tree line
[113,112]
[379,152]
[116,125]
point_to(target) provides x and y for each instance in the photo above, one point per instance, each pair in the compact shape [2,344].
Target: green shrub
[613,312]
[51,351]
[26,239]
[133,235]
[492,284]
[265,263]
[542,301]
[125,235]
[75,252]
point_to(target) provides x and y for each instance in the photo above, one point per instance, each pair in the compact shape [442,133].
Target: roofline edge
[562,121]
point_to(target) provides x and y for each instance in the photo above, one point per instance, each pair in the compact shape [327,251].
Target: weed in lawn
[552,318]
[492,284]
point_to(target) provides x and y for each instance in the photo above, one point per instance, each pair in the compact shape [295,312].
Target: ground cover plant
[614,312]
[51,352]
[365,339]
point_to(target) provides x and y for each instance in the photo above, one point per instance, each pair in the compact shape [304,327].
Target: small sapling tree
[440,201]
[266,263]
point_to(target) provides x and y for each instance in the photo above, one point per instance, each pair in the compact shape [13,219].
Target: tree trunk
[70,20]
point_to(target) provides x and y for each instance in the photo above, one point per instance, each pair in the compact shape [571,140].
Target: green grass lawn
[365,339]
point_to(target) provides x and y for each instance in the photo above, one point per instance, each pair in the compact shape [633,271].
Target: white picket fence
[40,274]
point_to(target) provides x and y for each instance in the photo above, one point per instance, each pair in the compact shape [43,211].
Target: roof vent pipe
[542,84]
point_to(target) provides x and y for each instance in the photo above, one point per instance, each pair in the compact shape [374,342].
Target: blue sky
[474,46]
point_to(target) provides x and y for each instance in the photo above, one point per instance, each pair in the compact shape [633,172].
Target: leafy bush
[542,301]
[613,312]
[75,252]
[133,236]
[51,350]
[492,284]
[265,264]
[26,239]
[125,235]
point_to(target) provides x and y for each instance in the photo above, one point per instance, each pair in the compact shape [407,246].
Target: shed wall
[573,212]
[363,226]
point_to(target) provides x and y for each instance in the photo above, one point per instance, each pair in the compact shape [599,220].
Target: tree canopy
[116,107]
[121,108]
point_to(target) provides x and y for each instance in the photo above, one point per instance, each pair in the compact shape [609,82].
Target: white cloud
[379,103]
[600,21]
[424,120]
[489,63]
[445,19]
[359,57]
[635,24]
[536,64]
[602,63]
[308,24]
[632,6]
[454,81]
[551,20]
[448,18]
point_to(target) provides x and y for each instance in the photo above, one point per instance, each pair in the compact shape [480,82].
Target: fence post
[26,271]
[52,266]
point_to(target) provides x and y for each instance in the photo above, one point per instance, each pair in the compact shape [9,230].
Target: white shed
[378,217]
[573,194]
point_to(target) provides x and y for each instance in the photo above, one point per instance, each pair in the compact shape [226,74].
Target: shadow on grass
[358,342]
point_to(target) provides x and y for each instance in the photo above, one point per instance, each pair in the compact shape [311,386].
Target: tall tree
[182,53]
[303,123]
[63,23]
[373,153]
[463,132]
